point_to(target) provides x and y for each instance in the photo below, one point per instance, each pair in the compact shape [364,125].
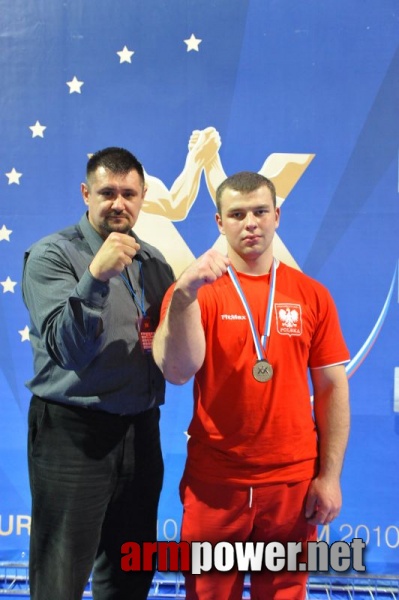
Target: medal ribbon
[260,345]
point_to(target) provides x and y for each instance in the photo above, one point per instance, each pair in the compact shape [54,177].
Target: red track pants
[269,513]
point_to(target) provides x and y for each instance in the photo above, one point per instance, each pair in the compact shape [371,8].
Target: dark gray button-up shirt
[73,363]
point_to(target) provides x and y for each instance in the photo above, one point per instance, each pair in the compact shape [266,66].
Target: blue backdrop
[308,90]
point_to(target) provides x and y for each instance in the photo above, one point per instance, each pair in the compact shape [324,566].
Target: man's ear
[219,223]
[85,192]
[278,214]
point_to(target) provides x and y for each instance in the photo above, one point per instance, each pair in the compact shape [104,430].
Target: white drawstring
[250,497]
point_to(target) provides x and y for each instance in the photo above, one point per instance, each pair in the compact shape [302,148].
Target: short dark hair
[245,182]
[116,160]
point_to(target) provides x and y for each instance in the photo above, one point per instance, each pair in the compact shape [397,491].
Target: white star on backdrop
[13,176]
[24,333]
[192,43]
[8,285]
[5,234]
[37,129]
[75,85]
[125,55]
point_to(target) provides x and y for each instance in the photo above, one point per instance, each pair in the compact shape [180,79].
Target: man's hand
[323,501]
[116,253]
[206,269]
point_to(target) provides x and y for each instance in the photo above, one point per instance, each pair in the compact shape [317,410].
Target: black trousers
[95,481]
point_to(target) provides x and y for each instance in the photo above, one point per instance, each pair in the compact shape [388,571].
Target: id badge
[146,331]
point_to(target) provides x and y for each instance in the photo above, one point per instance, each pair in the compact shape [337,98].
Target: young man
[259,466]
[94,292]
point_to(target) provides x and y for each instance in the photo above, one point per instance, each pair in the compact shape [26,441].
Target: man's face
[248,221]
[114,200]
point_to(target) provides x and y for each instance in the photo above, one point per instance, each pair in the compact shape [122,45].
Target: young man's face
[248,221]
[114,200]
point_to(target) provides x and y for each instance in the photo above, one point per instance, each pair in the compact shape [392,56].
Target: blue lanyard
[260,344]
[140,304]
